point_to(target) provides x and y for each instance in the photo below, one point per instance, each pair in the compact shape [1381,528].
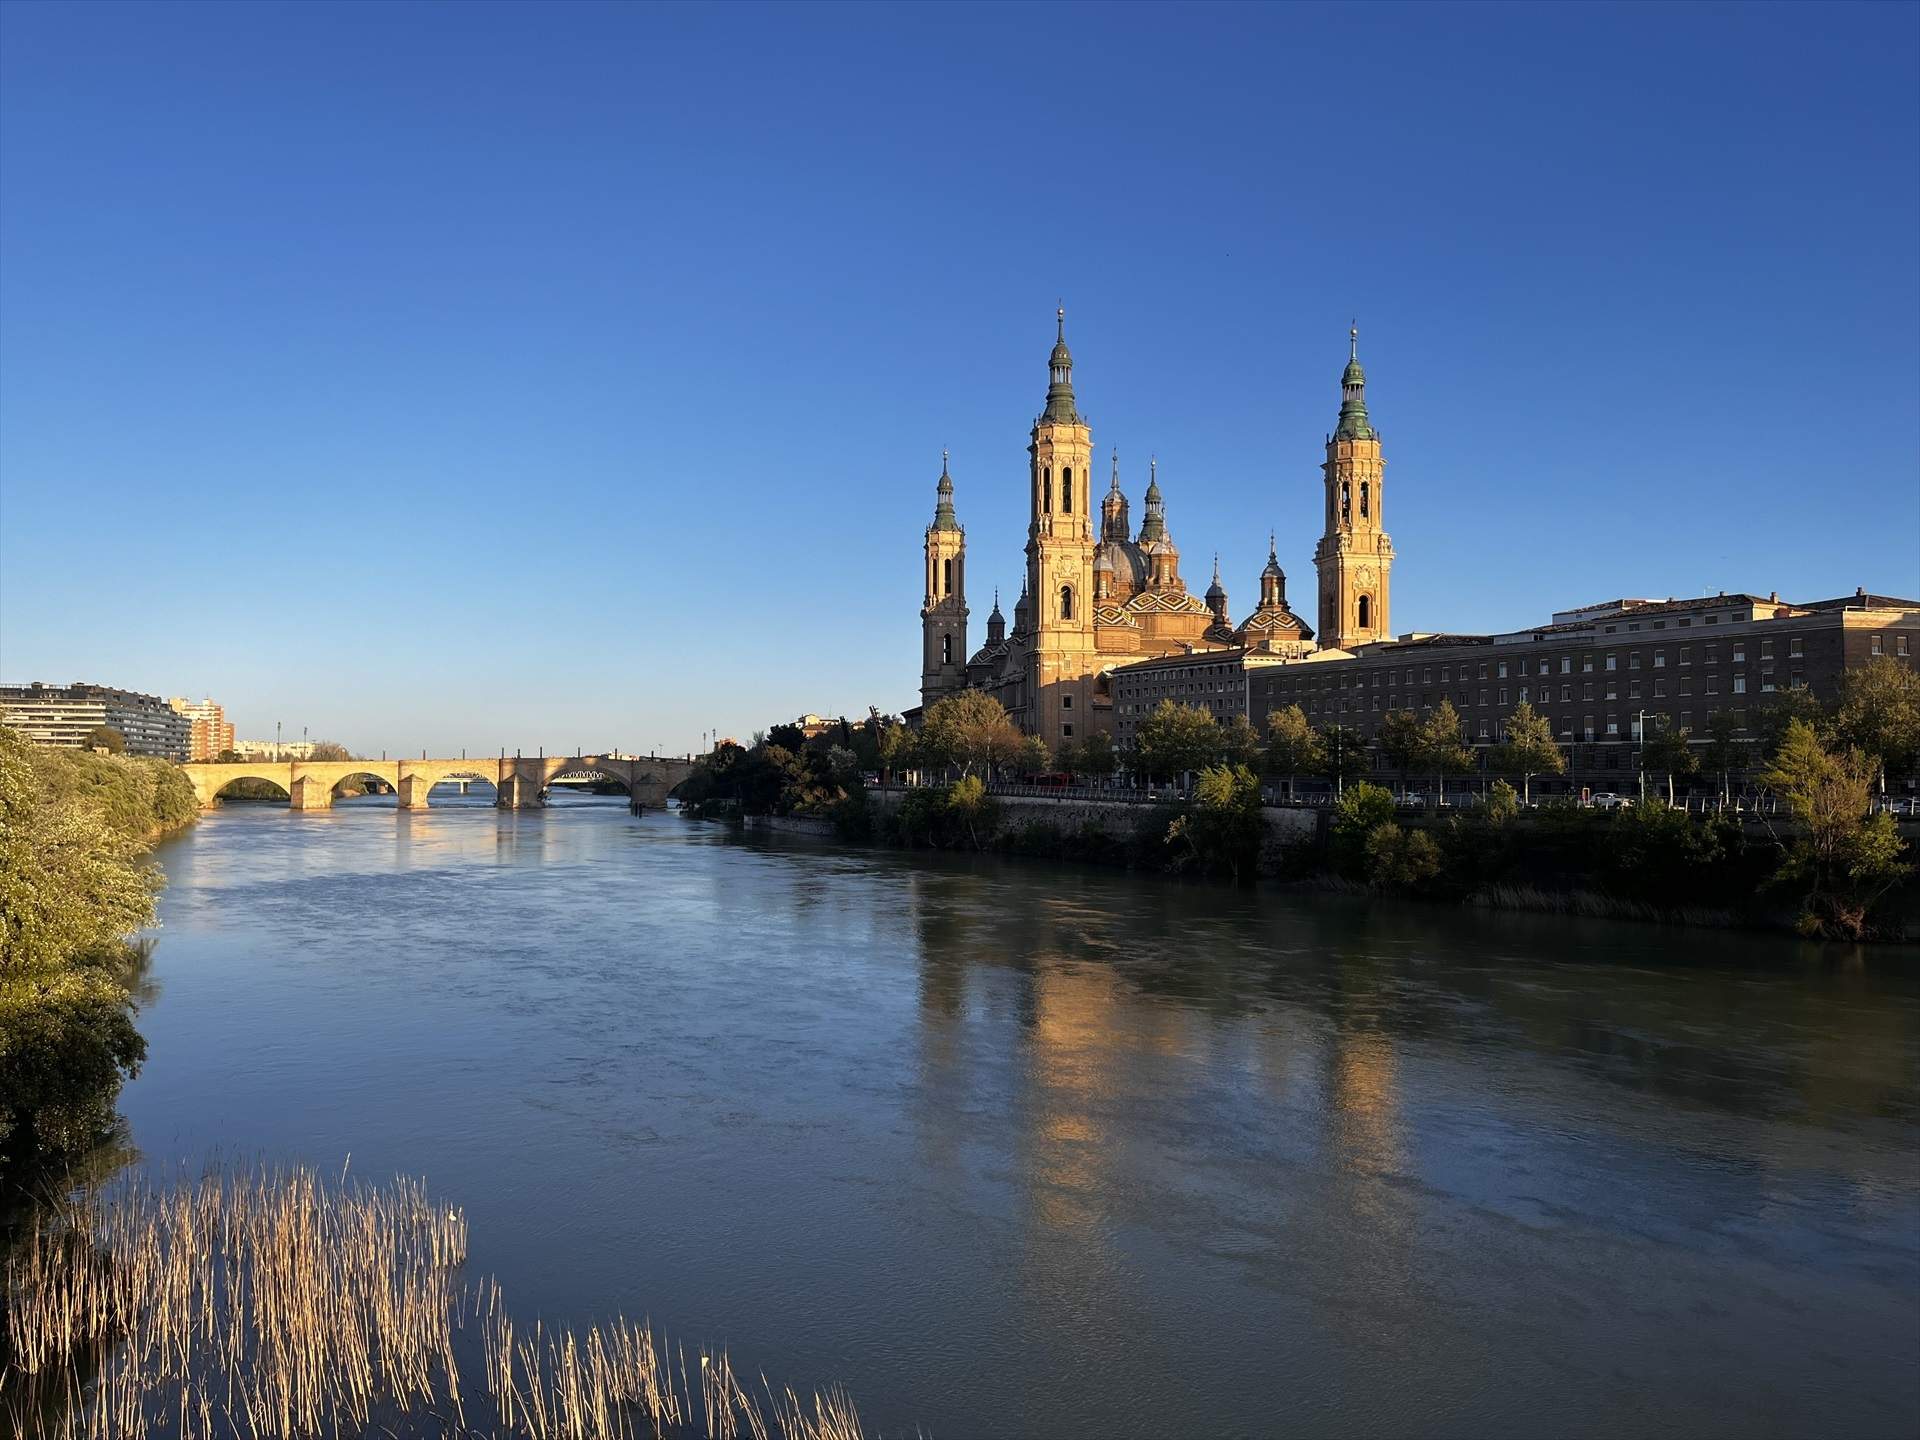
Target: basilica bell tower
[943,617]
[1354,557]
[1060,545]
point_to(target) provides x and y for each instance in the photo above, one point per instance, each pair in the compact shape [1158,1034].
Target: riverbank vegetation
[1819,856]
[73,887]
[276,1305]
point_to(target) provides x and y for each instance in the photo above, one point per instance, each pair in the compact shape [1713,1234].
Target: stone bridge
[521,780]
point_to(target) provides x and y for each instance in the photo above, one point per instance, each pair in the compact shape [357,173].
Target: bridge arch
[215,791]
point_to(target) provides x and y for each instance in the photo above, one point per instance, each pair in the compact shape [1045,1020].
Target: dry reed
[273,1305]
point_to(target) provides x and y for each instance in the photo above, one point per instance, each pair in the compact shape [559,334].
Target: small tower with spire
[1156,543]
[1354,557]
[996,622]
[1217,595]
[943,617]
[1113,509]
[1273,580]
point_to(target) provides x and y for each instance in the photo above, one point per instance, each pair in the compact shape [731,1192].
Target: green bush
[1360,809]
[1222,827]
[72,887]
[1398,859]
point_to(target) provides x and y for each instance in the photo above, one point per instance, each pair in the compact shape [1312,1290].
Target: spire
[996,622]
[1353,392]
[1153,526]
[1216,592]
[1113,509]
[1273,580]
[1060,408]
[943,516]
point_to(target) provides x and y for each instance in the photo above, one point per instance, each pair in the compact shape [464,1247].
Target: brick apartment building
[1595,672]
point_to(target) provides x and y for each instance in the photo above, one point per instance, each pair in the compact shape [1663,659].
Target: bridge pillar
[519,792]
[413,792]
[309,792]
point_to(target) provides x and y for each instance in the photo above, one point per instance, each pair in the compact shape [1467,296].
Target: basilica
[1099,597]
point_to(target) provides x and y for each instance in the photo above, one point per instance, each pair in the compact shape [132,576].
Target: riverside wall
[1286,824]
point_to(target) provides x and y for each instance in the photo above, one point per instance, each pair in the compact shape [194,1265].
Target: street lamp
[1640,734]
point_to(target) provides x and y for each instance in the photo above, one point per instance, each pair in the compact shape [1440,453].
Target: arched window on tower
[946,577]
[1066,602]
[946,649]
[1363,500]
[1066,491]
[1046,491]
[1346,500]
[1366,612]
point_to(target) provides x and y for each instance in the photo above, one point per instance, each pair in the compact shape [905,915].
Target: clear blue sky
[475,375]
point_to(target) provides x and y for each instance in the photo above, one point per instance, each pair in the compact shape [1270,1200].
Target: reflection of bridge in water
[520,780]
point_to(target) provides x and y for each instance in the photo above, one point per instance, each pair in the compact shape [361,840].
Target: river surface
[1021,1150]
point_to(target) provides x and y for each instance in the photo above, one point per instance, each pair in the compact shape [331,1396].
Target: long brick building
[1595,673]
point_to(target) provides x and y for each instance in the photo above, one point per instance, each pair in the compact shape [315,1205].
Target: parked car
[1607,800]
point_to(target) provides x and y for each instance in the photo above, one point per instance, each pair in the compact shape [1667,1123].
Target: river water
[1021,1150]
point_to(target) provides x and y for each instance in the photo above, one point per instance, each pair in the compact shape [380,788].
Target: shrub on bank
[72,888]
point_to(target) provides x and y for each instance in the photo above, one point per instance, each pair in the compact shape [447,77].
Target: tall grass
[273,1304]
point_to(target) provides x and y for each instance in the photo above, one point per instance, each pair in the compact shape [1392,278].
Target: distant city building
[209,733]
[1595,671]
[276,749]
[64,716]
[811,725]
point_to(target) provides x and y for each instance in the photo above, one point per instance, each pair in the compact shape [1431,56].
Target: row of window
[1503,696]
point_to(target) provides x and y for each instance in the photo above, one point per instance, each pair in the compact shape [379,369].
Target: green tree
[1097,755]
[1240,743]
[969,804]
[970,730]
[1035,756]
[1726,750]
[1356,814]
[1070,757]
[1222,826]
[1346,754]
[899,748]
[1401,741]
[788,736]
[1771,720]
[1175,739]
[1293,749]
[1879,714]
[1668,750]
[1527,749]
[105,737]
[1845,859]
[1503,804]
[1439,749]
